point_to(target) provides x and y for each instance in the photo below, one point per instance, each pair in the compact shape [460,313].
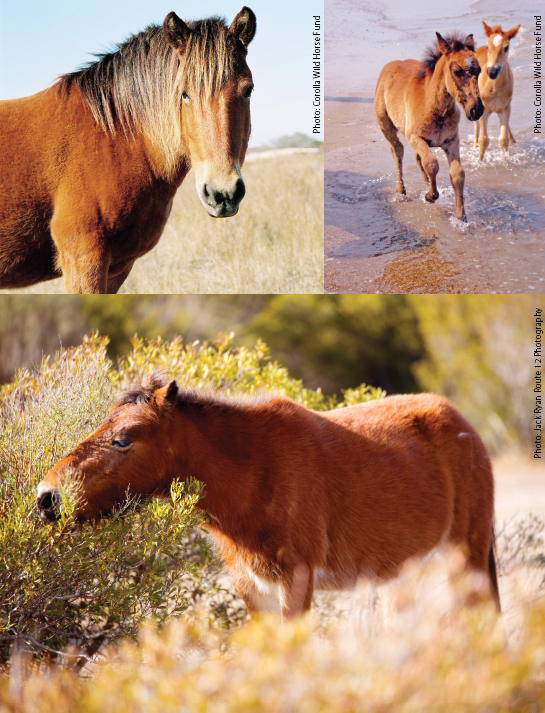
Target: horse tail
[492,572]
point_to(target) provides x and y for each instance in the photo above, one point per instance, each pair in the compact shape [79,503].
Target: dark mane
[197,398]
[456,42]
[139,84]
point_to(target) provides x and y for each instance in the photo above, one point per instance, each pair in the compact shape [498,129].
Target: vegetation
[419,663]
[273,245]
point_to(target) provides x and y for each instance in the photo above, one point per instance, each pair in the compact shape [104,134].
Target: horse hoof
[431,197]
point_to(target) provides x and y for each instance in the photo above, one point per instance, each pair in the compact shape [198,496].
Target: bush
[83,586]
[432,663]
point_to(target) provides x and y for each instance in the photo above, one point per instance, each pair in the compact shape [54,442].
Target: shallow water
[377,241]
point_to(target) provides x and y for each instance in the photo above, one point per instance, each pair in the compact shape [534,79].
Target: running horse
[496,84]
[91,165]
[295,499]
[419,99]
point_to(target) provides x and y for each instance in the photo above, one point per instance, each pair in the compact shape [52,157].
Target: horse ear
[167,395]
[487,29]
[442,46]
[511,33]
[469,42]
[176,31]
[243,26]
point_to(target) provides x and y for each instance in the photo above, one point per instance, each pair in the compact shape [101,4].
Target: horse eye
[122,443]
[248,91]
[185,95]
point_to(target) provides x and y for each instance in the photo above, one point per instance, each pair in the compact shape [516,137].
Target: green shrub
[83,586]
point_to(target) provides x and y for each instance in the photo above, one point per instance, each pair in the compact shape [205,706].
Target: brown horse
[90,166]
[419,99]
[296,499]
[496,86]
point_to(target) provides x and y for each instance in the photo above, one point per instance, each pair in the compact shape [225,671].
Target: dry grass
[273,245]
[418,658]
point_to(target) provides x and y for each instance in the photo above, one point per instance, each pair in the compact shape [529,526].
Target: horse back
[408,474]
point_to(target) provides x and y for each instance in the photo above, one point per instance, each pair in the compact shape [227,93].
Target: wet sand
[377,242]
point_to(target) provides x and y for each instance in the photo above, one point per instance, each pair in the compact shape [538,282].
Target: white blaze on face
[498,39]
[469,63]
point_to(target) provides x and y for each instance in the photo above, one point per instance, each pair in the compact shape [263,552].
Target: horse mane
[456,42]
[140,83]
[200,399]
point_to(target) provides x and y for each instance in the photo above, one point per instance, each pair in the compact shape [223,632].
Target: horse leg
[87,275]
[476,140]
[457,175]
[80,255]
[115,282]
[297,589]
[389,130]
[421,167]
[479,576]
[511,137]
[430,164]
[258,600]
[505,133]
[483,131]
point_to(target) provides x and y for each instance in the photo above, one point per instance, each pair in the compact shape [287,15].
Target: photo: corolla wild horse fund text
[435,155]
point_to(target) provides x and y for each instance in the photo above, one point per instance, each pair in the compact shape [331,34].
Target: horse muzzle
[48,503]
[221,203]
[494,71]
[476,110]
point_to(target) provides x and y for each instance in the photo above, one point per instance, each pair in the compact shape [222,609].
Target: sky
[40,40]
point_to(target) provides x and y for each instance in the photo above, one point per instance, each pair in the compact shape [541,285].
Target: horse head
[498,47]
[215,104]
[462,72]
[129,453]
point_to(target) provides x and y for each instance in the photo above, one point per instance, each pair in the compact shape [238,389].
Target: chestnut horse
[419,99]
[296,499]
[90,166]
[496,86]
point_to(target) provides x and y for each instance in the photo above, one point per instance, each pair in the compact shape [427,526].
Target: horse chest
[143,232]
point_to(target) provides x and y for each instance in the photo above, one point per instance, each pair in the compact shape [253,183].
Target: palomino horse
[495,85]
[296,499]
[419,99]
[90,166]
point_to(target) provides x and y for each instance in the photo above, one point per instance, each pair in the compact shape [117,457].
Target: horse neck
[438,98]
[223,449]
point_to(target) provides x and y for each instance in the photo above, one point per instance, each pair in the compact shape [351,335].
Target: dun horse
[295,499]
[496,86]
[419,99]
[90,166]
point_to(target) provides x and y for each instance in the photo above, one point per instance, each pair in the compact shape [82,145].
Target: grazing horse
[495,85]
[419,99]
[295,499]
[90,166]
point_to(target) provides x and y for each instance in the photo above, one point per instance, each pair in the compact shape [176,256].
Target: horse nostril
[49,505]
[239,192]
